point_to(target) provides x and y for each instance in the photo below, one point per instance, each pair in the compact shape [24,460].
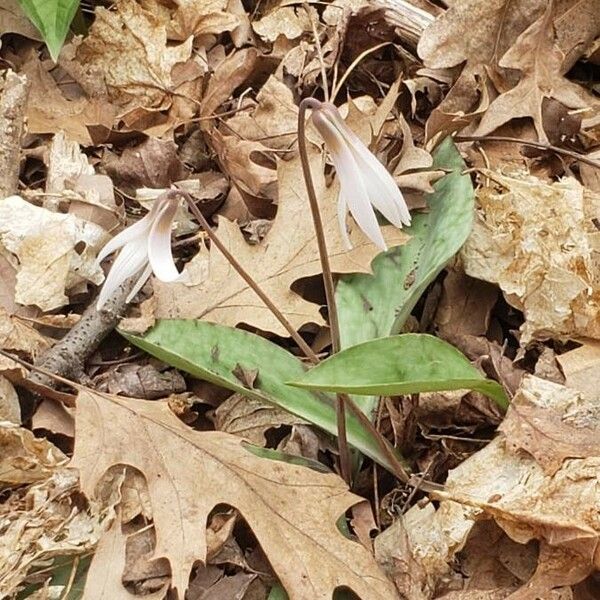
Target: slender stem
[340,407]
[542,146]
[308,351]
[318,223]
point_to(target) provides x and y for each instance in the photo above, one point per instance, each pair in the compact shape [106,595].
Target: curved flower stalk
[145,248]
[365,183]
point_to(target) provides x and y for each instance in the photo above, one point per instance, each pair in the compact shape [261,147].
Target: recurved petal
[138,229]
[132,258]
[383,192]
[354,192]
[159,243]
[139,284]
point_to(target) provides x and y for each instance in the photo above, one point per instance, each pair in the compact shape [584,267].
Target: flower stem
[340,407]
[308,351]
[318,223]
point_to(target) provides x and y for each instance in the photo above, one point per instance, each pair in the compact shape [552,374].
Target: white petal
[132,258]
[138,229]
[342,212]
[139,284]
[383,191]
[352,186]
[159,244]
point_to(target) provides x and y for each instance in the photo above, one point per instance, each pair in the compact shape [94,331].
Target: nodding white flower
[364,182]
[145,248]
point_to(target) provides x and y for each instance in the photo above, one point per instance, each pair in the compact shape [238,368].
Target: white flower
[145,248]
[364,182]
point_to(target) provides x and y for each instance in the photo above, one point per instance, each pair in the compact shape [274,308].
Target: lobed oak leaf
[540,60]
[292,510]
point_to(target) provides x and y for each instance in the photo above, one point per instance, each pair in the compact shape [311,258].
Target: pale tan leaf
[201,18]
[559,510]
[288,253]
[10,410]
[45,244]
[537,241]
[290,21]
[581,367]
[292,510]
[109,560]
[19,336]
[13,20]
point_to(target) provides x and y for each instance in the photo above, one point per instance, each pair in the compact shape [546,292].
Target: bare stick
[340,407]
[308,351]
[13,97]
[67,358]
[500,138]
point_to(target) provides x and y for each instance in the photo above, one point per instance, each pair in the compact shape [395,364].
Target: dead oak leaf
[202,18]
[128,48]
[288,253]
[292,510]
[492,27]
[540,61]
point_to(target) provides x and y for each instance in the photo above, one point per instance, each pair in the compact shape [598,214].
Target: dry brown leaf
[128,48]
[581,367]
[228,75]
[552,424]
[19,336]
[292,510]
[25,458]
[492,27]
[465,305]
[53,416]
[13,20]
[511,487]
[250,419]
[537,241]
[49,111]
[56,251]
[288,253]
[540,60]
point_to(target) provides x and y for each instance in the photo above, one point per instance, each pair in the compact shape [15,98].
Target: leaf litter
[176,484]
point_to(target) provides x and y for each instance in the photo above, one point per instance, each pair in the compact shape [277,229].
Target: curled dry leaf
[250,419]
[17,335]
[537,242]
[56,251]
[128,48]
[289,21]
[193,18]
[511,487]
[25,458]
[292,510]
[42,523]
[287,253]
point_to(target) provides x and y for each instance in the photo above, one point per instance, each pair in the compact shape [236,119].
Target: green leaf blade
[215,353]
[374,306]
[402,364]
[53,19]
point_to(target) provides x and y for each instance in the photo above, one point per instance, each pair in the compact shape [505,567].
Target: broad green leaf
[374,306]
[400,364]
[52,18]
[253,366]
